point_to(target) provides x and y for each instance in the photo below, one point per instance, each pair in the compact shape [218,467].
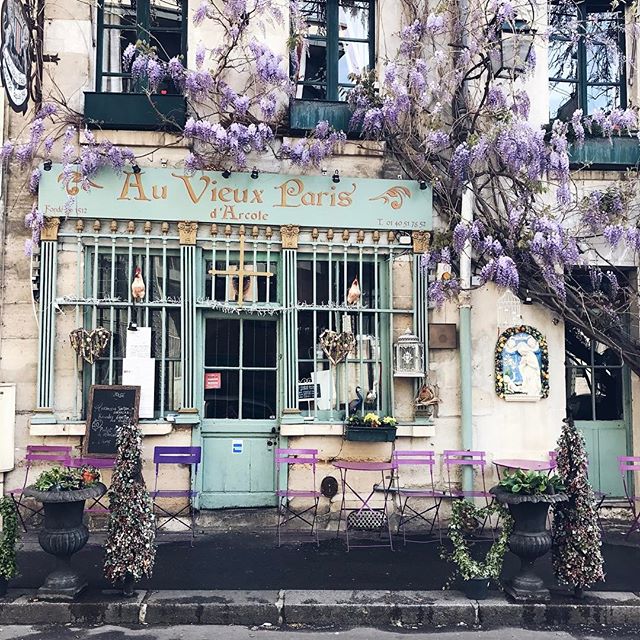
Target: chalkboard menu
[109,407]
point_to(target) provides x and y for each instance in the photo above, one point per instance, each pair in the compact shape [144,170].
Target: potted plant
[130,546]
[476,574]
[371,428]
[577,541]
[8,539]
[63,492]
[528,495]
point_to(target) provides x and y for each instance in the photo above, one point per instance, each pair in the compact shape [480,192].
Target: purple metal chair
[60,454]
[424,460]
[97,506]
[454,459]
[177,455]
[628,465]
[287,458]
[553,459]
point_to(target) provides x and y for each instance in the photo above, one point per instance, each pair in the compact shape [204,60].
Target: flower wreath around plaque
[464,520]
[522,364]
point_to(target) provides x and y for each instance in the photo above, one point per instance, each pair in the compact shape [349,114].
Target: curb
[315,609]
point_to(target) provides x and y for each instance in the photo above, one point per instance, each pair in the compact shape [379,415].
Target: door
[598,397]
[239,429]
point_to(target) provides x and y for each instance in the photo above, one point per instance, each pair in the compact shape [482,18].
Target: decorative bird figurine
[353,295]
[356,404]
[370,399]
[138,288]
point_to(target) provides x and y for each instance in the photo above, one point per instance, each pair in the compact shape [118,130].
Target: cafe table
[364,516]
[524,464]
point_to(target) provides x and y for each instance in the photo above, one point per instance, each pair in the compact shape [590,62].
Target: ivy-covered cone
[577,558]
[8,539]
[130,546]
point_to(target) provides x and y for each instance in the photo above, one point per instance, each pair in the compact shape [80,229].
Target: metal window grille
[105,261]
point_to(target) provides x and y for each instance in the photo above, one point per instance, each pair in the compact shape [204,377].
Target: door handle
[269,443]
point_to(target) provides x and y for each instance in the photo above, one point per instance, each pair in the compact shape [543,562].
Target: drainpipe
[466,411]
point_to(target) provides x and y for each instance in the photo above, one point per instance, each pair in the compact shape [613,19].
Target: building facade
[252,277]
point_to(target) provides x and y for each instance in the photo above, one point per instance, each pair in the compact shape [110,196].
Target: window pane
[254,287]
[354,19]
[159,289]
[315,15]
[605,98]
[259,343]
[579,392]
[608,394]
[563,59]
[312,66]
[166,14]
[120,13]
[563,99]
[603,63]
[222,343]
[259,395]
[224,402]
[353,58]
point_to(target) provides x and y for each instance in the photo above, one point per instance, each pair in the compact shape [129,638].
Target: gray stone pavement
[240,633]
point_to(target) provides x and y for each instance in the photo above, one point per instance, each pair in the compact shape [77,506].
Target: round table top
[525,465]
[362,465]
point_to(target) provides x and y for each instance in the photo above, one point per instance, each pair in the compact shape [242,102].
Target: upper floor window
[586,58]
[339,42]
[160,23]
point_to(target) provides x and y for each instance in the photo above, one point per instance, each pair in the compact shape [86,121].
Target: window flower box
[371,428]
[617,153]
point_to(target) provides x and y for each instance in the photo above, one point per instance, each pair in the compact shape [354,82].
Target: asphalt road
[240,633]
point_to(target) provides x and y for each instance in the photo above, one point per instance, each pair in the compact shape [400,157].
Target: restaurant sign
[271,199]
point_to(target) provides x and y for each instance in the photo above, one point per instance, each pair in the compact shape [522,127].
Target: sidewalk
[242,578]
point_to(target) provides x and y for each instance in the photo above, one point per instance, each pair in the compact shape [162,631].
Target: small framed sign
[213,380]
[306,391]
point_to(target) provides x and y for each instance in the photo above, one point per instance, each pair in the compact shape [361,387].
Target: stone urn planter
[529,540]
[63,535]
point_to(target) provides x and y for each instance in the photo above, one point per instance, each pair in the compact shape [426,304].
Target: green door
[598,397]
[239,431]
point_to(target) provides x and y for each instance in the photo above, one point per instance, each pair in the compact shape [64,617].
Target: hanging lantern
[409,352]
[509,60]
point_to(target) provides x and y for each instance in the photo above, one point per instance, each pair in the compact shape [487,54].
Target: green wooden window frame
[583,81]
[142,29]
[332,42]
[104,307]
[324,306]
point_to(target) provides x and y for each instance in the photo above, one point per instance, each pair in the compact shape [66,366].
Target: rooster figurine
[138,288]
[353,295]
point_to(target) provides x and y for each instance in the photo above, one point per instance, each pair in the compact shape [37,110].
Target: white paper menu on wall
[138,368]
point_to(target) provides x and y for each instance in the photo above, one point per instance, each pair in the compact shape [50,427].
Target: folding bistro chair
[177,455]
[454,459]
[285,458]
[423,460]
[97,506]
[60,454]
[628,465]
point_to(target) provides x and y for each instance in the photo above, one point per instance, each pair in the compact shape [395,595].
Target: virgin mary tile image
[522,366]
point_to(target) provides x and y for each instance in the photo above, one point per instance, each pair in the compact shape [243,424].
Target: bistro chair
[97,506]
[176,456]
[285,459]
[423,460]
[456,459]
[60,454]
[628,466]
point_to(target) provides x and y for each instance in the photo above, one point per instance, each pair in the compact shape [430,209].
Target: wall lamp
[255,173]
[336,176]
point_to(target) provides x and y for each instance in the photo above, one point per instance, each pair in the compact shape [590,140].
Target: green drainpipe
[466,409]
